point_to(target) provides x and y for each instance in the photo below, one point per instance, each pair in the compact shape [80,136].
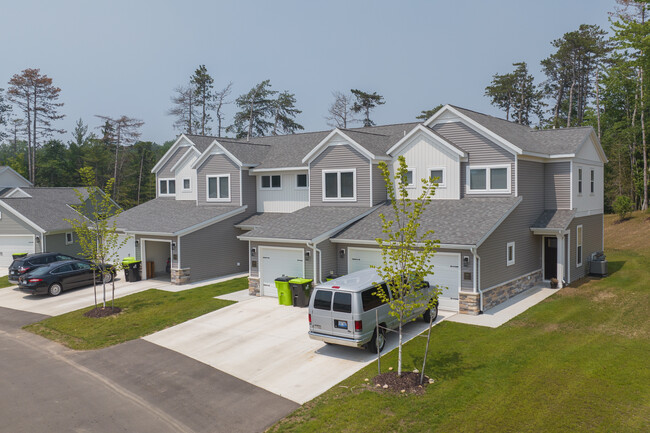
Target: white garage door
[127,249]
[277,261]
[14,244]
[446,272]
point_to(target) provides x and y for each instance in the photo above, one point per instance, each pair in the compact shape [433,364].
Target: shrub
[622,206]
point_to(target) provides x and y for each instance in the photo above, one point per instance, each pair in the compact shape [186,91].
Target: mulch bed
[102,312]
[407,383]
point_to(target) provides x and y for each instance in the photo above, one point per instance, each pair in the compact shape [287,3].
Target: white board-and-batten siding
[288,198]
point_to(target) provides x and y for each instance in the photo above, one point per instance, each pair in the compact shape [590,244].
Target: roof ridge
[561,128]
[363,132]
[494,117]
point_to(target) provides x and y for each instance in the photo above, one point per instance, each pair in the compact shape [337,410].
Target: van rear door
[321,311]
[342,319]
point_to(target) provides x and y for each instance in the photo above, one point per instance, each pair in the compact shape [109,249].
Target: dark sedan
[58,276]
[26,264]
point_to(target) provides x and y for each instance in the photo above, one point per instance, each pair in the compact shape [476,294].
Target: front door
[550,258]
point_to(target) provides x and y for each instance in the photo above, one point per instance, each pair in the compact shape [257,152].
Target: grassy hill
[577,362]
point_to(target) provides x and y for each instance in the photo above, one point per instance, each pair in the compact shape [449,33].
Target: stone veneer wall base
[254,286]
[500,294]
[180,276]
[469,303]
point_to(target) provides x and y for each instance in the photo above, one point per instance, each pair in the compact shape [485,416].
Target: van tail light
[336,287]
[35,280]
[358,326]
[309,318]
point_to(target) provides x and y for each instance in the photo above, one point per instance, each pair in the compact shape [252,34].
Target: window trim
[166,180]
[488,187]
[338,185]
[271,187]
[579,181]
[71,241]
[306,177]
[413,178]
[508,261]
[207,188]
[442,184]
[592,181]
[579,247]
[187,189]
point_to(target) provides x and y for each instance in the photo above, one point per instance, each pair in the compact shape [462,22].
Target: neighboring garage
[278,261]
[446,272]
[155,253]
[12,244]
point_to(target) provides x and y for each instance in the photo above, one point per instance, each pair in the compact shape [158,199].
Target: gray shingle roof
[259,219]
[306,224]
[166,215]
[458,222]
[247,153]
[554,219]
[549,141]
[201,142]
[47,207]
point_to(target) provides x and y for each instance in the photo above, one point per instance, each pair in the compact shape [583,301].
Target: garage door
[446,272]
[14,244]
[127,247]
[277,261]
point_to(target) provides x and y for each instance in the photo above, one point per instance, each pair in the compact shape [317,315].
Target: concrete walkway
[510,309]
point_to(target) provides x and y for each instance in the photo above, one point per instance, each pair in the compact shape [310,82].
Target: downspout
[477,281]
[312,245]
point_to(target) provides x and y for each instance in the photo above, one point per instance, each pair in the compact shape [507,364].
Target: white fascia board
[320,146]
[340,227]
[169,153]
[278,240]
[22,217]
[15,191]
[264,170]
[498,223]
[482,129]
[540,231]
[149,233]
[367,242]
[437,114]
[428,132]
[210,221]
[182,159]
[208,152]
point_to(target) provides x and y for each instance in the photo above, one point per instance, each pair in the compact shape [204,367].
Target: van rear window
[370,300]
[342,302]
[323,300]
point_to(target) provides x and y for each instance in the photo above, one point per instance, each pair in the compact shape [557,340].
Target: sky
[125,57]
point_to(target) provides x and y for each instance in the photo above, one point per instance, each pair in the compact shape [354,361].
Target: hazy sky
[125,57]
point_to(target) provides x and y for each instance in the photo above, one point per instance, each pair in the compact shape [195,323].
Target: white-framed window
[271,181]
[340,185]
[69,238]
[0,215]
[592,181]
[166,187]
[510,253]
[579,181]
[439,175]
[302,181]
[410,178]
[578,246]
[187,185]
[494,179]
[218,187]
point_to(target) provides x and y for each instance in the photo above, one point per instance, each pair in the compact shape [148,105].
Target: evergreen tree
[284,113]
[203,84]
[366,102]
[184,109]
[5,109]
[256,107]
[516,92]
[426,114]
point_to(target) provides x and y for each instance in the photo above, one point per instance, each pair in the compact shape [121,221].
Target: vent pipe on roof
[405,133]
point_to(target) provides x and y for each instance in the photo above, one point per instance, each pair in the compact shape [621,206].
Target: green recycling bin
[284,290]
[300,292]
[331,277]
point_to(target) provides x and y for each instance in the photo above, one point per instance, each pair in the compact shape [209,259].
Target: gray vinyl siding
[214,251]
[480,151]
[214,165]
[340,158]
[56,243]
[165,171]
[11,225]
[328,262]
[249,190]
[378,186]
[557,181]
[592,241]
[516,227]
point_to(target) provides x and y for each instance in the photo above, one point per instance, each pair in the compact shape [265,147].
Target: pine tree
[366,102]
[256,107]
[284,113]
[203,83]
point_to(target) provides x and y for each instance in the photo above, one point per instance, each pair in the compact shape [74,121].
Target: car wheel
[427,314]
[107,277]
[378,341]
[55,289]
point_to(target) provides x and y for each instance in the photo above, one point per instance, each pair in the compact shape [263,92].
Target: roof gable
[332,138]
[182,141]
[216,149]
[422,130]
[11,178]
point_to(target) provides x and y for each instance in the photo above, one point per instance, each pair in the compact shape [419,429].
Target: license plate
[341,324]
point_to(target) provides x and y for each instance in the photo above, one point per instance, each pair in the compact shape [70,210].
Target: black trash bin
[300,291]
[132,271]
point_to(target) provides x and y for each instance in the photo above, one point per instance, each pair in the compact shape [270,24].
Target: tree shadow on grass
[446,365]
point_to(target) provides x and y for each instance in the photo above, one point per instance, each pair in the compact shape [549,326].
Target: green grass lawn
[577,362]
[142,314]
[4,282]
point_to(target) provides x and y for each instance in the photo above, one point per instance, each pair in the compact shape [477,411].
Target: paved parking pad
[267,345]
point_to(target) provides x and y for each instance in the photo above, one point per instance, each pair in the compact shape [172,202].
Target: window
[409,178]
[489,179]
[323,300]
[81,266]
[301,181]
[578,246]
[510,253]
[68,238]
[187,185]
[437,175]
[593,181]
[339,185]
[579,181]
[370,299]
[63,269]
[272,182]
[342,302]
[166,187]
[218,188]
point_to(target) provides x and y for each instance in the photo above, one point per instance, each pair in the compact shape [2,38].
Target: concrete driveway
[70,300]
[267,345]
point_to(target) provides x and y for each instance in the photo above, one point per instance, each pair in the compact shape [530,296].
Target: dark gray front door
[550,258]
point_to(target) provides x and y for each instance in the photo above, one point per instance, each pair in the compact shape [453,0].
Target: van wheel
[378,341]
[55,289]
[427,314]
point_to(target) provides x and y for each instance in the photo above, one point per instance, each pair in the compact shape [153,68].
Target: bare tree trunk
[598,101]
[399,352]
[426,350]
[560,95]
[250,122]
[140,174]
[32,175]
[568,119]
[117,148]
[633,148]
[644,204]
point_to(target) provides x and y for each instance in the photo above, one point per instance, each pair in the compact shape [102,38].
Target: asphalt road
[133,387]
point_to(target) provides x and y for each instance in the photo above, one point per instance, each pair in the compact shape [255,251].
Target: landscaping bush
[623,207]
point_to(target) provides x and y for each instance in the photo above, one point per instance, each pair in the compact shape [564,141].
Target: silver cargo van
[342,311]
